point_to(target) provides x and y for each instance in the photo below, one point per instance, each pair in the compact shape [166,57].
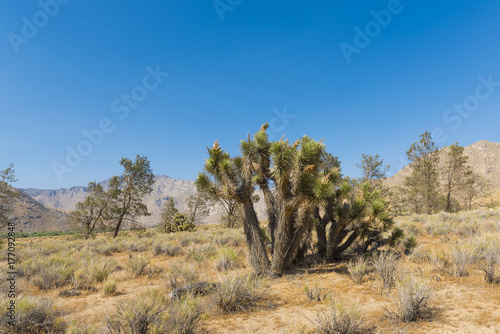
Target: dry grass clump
[167,250]
[456,262]
[98,270]
[235,293]
[338,319]
[52,277]
[227,260]
[413,296]
[179,276]
[386,264]
[488,250]
[151,312]
[358,269]
[439,228]
[201,253]
[110,288]
[33,315]
[315,293]
[138,264]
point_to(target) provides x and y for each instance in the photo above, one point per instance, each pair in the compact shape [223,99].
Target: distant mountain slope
[31,216]
[163,188]
[484,158]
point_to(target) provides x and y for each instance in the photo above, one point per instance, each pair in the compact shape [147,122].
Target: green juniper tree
[128,190]
[197,207]
[455,171]
[302,188]
[423,184]
[93,211]
[7,193]
[167,214]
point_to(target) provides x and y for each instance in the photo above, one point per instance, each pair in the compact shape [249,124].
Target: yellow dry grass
[459,304]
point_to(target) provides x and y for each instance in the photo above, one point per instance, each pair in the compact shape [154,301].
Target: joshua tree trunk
[304,223]
[282,241]
[271,214]
[258,255]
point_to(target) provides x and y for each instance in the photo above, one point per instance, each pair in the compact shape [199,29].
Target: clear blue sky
[69,67]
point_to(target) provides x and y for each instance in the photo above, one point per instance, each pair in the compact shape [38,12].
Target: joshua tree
[302,187]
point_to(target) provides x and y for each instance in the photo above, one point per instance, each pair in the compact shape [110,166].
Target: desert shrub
[412,228]
[76,328]
[98,270]
[338,319]
[386,265]
[420,255]
[107,249]
[358,269]
[468,229]
[109,288]
[179,276]
[456,262]
[184,316]
[444,216]
[69,293]
[235,293]
[153,270]
[151,312]
[435,228]
[201,253]
[138,264]
[168,250]
[315,293]
[137,315]
[33,315]
[228,260]
[51,277]
[412,298]
[488,250]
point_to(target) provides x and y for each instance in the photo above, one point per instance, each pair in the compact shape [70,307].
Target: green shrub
[179,223]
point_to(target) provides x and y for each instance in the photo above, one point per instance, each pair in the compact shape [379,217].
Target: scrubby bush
[412,298]
[228,260]
[52,277]
[179,276]
[151,312]
[456,262]
[386,265]
[138,264]
[488,250]
[110,287]
[358,269]
[338,319]
[33,315]
[98,270]
[235,293]
[315,293]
